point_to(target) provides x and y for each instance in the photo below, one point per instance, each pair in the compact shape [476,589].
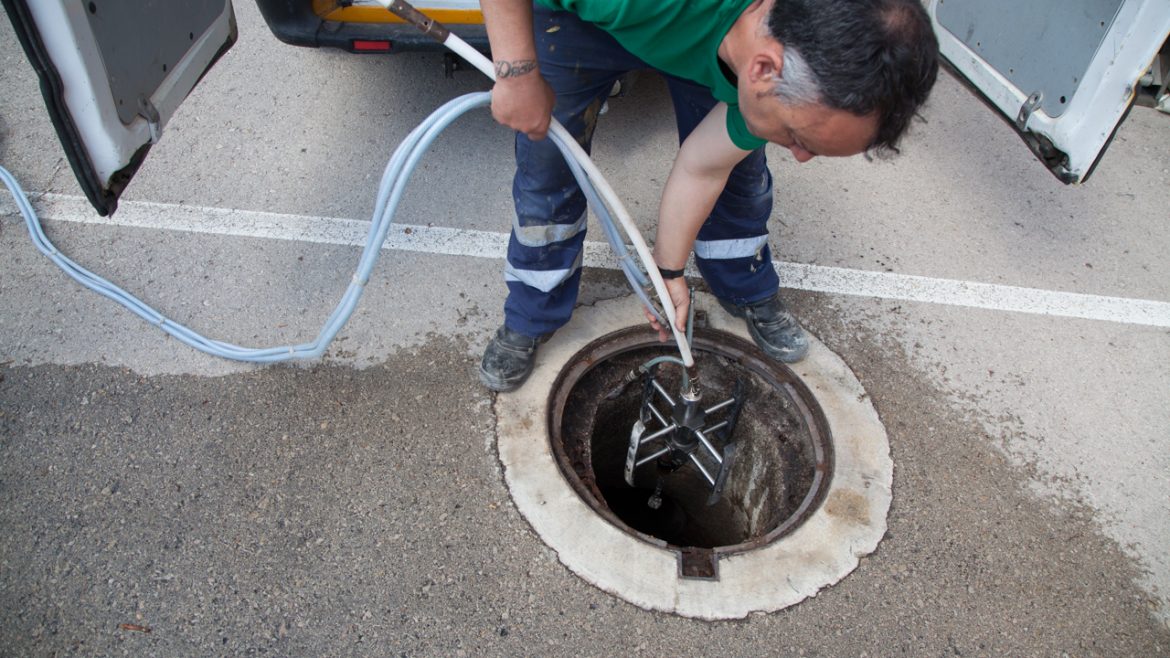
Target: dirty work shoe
[773,328]
[508,360]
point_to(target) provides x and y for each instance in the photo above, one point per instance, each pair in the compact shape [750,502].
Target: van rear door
[1064,74]
[113,73]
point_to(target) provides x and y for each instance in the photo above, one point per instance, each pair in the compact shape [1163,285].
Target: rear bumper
[294,22]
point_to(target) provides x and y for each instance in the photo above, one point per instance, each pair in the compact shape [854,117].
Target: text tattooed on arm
[515,68]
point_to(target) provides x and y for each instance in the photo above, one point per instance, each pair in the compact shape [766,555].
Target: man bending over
[818,77]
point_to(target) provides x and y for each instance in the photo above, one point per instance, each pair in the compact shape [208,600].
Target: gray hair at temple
[797,84]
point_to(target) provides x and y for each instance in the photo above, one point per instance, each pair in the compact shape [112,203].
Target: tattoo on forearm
[515,68]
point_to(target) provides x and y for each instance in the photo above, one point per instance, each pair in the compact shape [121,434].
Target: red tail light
[371,46]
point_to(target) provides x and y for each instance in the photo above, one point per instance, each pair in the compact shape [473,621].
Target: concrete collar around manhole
[806,497]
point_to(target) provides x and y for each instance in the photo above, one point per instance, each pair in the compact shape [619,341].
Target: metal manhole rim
[720,343]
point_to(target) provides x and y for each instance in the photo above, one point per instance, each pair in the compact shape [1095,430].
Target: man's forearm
[521,99]
[698,177]
[509,28]
[686,202]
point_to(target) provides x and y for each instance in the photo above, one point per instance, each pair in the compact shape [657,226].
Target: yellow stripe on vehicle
[380,15]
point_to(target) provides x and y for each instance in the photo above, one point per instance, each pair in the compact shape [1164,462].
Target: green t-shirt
[680,37]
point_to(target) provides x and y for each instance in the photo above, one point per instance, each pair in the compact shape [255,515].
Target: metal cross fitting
[684,435]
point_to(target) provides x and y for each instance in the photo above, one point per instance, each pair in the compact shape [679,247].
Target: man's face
[808,130]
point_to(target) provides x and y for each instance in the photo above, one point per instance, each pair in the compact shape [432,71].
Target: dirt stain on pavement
[848,505]
[331,511]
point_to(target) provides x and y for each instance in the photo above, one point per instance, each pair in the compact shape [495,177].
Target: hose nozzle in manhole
[673,439]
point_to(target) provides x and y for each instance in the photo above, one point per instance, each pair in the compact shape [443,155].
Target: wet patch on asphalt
[314,511]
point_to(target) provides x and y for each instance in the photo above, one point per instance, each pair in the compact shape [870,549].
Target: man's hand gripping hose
[393,185]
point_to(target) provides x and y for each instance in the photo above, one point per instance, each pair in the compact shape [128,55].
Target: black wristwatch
[671,274]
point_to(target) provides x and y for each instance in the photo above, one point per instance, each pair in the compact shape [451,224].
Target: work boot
[508,359]
[773,328]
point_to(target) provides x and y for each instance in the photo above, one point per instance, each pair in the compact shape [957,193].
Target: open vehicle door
[1063,73]
[113,74]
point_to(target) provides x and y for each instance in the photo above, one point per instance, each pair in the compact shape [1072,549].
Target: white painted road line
[486,244]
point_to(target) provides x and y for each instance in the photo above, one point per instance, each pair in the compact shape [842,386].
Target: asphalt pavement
[1012,333]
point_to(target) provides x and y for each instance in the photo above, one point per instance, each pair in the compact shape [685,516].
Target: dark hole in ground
[773,477]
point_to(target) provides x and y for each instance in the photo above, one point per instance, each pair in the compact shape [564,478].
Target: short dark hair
[865,55]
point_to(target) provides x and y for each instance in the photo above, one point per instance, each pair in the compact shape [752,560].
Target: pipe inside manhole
[783,448]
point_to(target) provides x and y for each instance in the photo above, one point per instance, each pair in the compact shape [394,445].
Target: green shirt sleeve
[738,131]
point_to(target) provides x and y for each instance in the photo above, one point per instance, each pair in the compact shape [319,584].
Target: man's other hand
[521,99]
[680,296]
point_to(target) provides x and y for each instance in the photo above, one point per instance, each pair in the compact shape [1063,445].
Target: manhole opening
[779,475]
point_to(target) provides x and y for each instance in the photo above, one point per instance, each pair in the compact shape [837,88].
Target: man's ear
[767,64]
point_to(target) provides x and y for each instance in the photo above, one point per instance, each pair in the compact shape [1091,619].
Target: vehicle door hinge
[1027,109]
[148,111]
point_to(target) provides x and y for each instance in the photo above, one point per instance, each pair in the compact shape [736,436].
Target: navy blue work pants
[581,63]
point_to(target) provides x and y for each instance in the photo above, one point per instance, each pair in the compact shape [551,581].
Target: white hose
[477,59]
[390,192]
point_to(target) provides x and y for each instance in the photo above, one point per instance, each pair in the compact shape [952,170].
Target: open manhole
[782,447]
[805,497]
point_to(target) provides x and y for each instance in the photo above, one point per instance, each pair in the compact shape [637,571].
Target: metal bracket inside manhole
[806,497]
